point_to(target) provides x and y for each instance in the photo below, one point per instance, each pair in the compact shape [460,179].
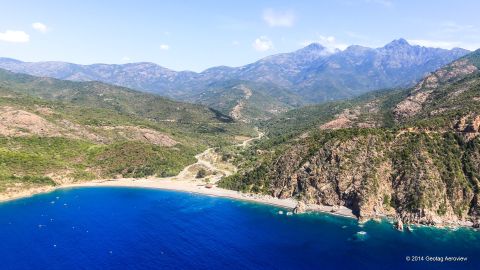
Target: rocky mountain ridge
[412,155]
[313,74]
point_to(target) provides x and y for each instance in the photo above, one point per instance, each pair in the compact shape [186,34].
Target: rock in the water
[399,224]
[300,208]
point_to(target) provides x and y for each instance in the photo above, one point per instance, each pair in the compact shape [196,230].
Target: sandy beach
[188,186]
[186,181]
[198,187]
[191,186]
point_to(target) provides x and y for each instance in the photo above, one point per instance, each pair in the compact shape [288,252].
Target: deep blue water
[128,228]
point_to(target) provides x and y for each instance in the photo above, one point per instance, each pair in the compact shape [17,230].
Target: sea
[137,228]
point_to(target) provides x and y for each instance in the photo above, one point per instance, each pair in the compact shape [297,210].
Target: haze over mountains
[313,74]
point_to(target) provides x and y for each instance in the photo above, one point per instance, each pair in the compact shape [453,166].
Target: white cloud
[278,18]
[164,47]
[329,42]
[126,59]
[40,27]
[235,43]
[262,44]
[14,36]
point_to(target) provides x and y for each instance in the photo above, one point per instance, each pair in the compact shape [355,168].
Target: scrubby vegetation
[87,131]
[265,101]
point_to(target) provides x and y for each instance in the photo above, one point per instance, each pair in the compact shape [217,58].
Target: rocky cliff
[415,176]
[423,167]
[419,177]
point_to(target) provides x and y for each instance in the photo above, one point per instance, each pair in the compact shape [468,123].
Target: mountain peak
[314,47]
[356,49]
[401,42]
[316,50]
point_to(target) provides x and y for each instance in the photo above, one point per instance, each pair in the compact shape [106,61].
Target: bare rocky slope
[413,155]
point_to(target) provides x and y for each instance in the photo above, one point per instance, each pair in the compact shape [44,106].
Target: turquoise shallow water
[129,228]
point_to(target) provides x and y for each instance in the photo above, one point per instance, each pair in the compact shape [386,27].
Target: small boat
[361,236]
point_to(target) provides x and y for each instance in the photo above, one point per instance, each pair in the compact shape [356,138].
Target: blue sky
[195,35]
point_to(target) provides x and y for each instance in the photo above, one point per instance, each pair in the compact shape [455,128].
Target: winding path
[204,160]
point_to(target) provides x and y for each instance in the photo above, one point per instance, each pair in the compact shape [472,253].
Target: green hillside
[258,101]
[54,131]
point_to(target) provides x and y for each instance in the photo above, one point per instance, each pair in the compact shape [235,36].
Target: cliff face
[412,155]
[418,177]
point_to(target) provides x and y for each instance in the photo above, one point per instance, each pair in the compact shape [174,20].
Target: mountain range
[310,75]
[410,154]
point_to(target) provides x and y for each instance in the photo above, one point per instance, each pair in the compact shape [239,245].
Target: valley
[387,153]
[240,135]
[56,132]
[313,74]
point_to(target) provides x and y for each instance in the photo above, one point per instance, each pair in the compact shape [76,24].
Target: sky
[196,35]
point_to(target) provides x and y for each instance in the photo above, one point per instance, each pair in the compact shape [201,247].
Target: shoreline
[186,181]
[188,186]
[198,187]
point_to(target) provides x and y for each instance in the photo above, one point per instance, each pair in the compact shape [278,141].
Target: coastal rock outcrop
[399,224]
[417,177]
[300,208]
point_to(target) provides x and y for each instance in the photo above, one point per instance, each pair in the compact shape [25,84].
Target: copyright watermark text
[439,259]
